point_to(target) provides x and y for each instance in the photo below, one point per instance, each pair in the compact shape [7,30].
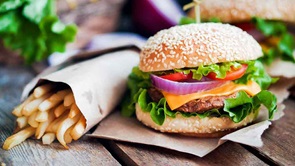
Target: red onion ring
[182,88]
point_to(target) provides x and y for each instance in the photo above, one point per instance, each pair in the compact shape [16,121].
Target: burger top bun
[244,10]
[197,44]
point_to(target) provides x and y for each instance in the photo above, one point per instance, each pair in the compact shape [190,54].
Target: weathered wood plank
[279,139]
[82,152]
[227,154]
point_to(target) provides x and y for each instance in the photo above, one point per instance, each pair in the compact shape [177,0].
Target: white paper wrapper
[120,128]
[280,88]
[281,68]
[97,84]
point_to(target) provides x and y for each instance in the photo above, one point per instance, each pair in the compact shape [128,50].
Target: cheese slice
[175,101]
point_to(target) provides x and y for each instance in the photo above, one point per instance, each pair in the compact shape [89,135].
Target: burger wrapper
[97,84]
[281,88]
[131,130]
[280,68]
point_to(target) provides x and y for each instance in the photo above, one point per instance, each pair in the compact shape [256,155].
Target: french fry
[43,89]
[69,99]
[54,124]
[62,128]
[60,95]
[33,105]
[68,137]
[18,138]
[18,110]
[54,100]
[22,121]
[32,120]
[79,128]
[42,116]
[43,125]
[47,104]
[48,116]
[59,110]
[74,111]
[48,138]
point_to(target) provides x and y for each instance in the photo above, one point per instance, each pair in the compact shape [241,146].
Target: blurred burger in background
[270,22]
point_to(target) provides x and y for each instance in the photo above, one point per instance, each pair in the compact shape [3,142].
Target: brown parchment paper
[97,84]
[116,127]
[280,68]
[280,88]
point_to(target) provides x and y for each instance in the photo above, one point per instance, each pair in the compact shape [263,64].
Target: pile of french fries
[49,114]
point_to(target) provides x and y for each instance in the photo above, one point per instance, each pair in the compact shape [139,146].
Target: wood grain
[227,154]
[82,152]
[279,139]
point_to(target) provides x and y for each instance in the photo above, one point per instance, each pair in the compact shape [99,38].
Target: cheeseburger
[200,80]
[270,22]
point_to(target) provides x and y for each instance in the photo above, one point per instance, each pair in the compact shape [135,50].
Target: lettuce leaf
[137,81]
[33,28]
[186,20]
[254,72]
[159,111]
[269,55]
[286,45]
[236,108]
[242,105]
[257,73]
[220,69]
[189,20]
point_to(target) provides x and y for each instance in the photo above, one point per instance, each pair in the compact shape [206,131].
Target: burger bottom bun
[208,127]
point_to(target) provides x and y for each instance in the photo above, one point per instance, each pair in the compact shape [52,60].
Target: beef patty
[197,105]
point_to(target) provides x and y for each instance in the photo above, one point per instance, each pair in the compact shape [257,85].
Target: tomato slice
[177,76]
[230,75]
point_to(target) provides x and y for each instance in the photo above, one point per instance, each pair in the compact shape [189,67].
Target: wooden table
[279,141]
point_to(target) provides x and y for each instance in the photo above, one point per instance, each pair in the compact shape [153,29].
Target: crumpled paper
[280,68]
[128,129]
[97,84]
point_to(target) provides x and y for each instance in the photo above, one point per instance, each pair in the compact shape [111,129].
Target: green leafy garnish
[256,72]
[186,20]
[219,69]
[242,105]
[137,81]
[189,20]
[235,108]
[284,49]
[33,28]
[269,55]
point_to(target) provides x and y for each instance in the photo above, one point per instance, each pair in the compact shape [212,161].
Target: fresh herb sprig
[33,28]
[286,44]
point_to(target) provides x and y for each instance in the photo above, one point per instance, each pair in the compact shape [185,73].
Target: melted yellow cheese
[175,101]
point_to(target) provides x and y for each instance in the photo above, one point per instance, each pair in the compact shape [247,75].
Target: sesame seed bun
[197,44]
[194,126]
[244,10]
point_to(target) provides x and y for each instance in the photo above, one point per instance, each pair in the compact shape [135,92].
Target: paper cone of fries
[65,102]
